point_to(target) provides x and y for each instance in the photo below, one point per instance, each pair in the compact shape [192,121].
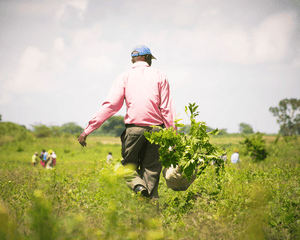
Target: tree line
[287,113]
[114,126]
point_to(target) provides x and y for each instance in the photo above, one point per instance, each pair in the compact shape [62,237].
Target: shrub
[255,146]
[56,131]
[71,128]
[10,132]
[42,131]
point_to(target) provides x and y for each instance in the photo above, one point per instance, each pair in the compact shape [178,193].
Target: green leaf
[189,148]
[214,132]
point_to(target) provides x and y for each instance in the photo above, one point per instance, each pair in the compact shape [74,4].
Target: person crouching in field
[53,158]
[43,156]
[235,157]
[34,159]
[49,160]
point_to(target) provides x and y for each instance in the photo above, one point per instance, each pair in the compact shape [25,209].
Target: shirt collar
[140,64]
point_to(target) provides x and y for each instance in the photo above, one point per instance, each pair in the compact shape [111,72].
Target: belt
[147,127]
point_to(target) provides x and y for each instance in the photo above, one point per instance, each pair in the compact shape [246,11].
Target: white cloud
[81,5]
[59,43]
[236,44]
[31,60]
[183,13]
[85,37]
[269,42]
[93,51]
[59,64]
[6,98]
[152,38]
[177,75]
[31,7]
[296,63]
[28,78]
[272,37]
[96,64]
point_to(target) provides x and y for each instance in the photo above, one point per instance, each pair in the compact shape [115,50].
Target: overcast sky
[233,58]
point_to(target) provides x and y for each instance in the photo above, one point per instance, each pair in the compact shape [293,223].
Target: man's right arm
[111,106]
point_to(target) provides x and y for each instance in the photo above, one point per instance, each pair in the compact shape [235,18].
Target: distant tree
[11,129]
[56,131]
[209,129]
[245,128]
[98,131]
[71,128]
[41,131]
[0,118]
[114,125]
[118,130]
[288,114]
[223,131]
[16,131]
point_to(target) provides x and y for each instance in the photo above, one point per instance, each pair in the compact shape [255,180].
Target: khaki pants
[138,151]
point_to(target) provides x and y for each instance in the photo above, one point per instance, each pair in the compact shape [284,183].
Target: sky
[235,59]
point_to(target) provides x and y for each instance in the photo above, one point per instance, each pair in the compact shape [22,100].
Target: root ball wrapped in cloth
[175,179]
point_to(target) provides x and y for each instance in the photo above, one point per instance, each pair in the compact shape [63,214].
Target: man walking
[149,103]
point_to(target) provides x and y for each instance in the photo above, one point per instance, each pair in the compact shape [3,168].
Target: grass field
[83,197]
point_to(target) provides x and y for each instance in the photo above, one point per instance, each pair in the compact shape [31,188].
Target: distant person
[109,158]
[45,156]
[42,157]
[224,156]
[146,93]
[53,158]
[49,160]
[34,159]
[235,158]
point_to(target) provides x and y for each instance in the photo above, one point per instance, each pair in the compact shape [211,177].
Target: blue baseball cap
[141,50]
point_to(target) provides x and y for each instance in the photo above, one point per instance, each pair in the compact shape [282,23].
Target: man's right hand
[82,139]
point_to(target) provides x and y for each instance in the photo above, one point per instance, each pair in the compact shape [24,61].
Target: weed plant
[83,197]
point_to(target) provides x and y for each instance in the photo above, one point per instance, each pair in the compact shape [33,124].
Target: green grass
[83,198]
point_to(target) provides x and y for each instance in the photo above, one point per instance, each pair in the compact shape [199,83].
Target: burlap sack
[175,180]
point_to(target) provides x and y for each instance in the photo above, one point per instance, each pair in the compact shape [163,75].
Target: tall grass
[83,197]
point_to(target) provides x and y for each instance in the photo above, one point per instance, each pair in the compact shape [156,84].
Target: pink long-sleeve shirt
[147,95]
